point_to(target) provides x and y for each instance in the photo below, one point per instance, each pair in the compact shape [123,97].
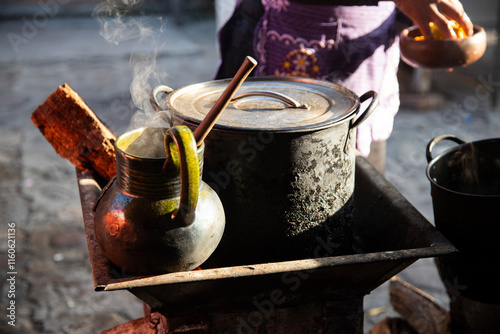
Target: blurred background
[112,63]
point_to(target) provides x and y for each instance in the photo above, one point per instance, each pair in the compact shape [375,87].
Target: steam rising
[149,144]
[472,170]
[121,21]
[468,161]
[116,28]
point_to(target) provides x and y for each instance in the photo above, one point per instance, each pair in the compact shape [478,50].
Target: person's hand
[438,11]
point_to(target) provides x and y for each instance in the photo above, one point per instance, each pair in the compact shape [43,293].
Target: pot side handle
[437,139]
[152,96]
[362,116]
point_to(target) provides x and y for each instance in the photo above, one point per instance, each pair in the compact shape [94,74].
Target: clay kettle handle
[181,151]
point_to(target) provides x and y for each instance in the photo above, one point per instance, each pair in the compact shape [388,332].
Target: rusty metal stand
[324,317]
[318,294]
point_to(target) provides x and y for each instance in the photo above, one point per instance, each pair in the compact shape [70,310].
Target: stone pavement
[38,190]
[54,287]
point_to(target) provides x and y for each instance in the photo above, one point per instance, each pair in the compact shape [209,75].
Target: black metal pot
[465,188]
[281,158]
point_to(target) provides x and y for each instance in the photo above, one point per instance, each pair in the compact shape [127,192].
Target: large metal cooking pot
[281,158]
[465,188]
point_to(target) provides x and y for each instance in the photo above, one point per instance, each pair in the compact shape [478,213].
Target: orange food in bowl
[437,34]
[441,53]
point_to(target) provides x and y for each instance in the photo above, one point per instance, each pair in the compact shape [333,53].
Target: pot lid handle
[282,97]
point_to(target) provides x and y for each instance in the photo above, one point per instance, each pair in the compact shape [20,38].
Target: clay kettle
[156,215]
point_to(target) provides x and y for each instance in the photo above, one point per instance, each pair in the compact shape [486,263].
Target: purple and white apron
[353,46]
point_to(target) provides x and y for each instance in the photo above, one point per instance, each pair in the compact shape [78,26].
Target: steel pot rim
[345,116]
[433,160]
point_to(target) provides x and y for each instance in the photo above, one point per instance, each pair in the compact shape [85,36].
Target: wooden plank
[150,324]
[418,308]
[392,326]
[75,132]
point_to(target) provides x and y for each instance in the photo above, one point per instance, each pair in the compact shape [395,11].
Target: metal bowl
[441,53]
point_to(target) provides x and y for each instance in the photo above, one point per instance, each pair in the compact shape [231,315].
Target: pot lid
[268,103]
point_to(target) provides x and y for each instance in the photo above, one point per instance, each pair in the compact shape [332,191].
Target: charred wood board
[75,132]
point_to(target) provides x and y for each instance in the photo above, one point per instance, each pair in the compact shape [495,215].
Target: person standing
[350,43]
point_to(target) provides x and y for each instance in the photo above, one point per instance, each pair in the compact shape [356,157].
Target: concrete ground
[38,191]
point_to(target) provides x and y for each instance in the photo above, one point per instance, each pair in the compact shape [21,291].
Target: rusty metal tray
[392,235]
